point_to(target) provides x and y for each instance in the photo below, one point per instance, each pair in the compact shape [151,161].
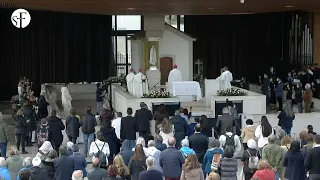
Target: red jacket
[264,174]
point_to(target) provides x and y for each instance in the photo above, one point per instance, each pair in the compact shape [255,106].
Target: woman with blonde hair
[166,130]
[213,176]
[14,163]
[123,170]
[264,172]
[191,169]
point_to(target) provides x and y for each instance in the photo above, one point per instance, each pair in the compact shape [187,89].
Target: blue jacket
[284,120]
[207,160]
[4,173]
[80,162]
[126,152]
[279,90]
[150,174]
[294,163]
[186,151]
[171,161]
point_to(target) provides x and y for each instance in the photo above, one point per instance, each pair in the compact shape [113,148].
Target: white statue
[66,99]
[174,76]
[140,84]
[130,81]
[153,56]
[225,79]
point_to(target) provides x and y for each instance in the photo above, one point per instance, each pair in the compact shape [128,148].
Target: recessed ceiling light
[289,6]
[131,8]
[210,8]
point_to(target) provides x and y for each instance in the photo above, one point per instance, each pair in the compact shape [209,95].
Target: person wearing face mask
[279,93]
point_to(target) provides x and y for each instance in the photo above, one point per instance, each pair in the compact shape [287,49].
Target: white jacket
[262,141]
[94,149]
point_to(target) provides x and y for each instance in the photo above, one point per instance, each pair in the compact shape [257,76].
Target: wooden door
[166,64]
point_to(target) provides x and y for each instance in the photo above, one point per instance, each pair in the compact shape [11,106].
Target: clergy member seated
[174,76]
[225,79]
[130,82]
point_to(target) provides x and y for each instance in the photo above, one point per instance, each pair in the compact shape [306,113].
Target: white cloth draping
[130,78]
[187,88]
[174,76]
[139,86]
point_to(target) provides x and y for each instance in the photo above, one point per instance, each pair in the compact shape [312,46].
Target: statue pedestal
[154,77]
[211,88]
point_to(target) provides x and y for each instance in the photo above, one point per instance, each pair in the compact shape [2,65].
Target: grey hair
[27,162]
[69,145]
[141,141]
[177,112]
[272,138]
[77,175]
[151,143]
[158,138]
[225,110]
[150,162]
[281,133]
[2,162]
[215,143]
[185,143]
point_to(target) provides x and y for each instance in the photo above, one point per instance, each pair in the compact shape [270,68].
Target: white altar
[187,91]
[253,103]
[121,100]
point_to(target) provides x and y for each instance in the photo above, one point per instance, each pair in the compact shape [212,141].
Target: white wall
[180,50]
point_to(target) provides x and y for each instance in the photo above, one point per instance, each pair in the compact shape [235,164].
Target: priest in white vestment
[174,76]
[225,79]
[66,100]
[130,82]
[140,84]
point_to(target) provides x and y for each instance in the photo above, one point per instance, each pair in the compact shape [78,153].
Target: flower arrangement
[232,92]
[157,94]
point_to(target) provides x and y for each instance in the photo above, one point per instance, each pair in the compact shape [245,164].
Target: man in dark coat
[143,117]
[128,129]
[199,143]
[181,129]
[30,115]
[55,128]
[63,165]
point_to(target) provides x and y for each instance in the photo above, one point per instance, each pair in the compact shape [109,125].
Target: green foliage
[157,94]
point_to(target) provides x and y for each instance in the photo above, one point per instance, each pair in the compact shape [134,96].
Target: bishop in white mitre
[66,99]
[174,76]
[140,84]
[130,81]
[225,79]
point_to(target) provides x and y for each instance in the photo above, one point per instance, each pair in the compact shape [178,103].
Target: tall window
[176,21]
[123,27]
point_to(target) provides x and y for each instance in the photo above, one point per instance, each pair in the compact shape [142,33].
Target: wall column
[316,38]
[137,54]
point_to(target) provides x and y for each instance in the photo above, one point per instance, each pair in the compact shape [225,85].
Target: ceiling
[165,7]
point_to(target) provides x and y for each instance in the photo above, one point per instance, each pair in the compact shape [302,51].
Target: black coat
[199,143]
[30,114]
[245,158]
[298,95]
[73,125]
[20,125]
[55,128]
[143,117]
[64,167]
[128,128]
[37,173]
[111,138]
[48,165]
[43,107]
[181,128]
